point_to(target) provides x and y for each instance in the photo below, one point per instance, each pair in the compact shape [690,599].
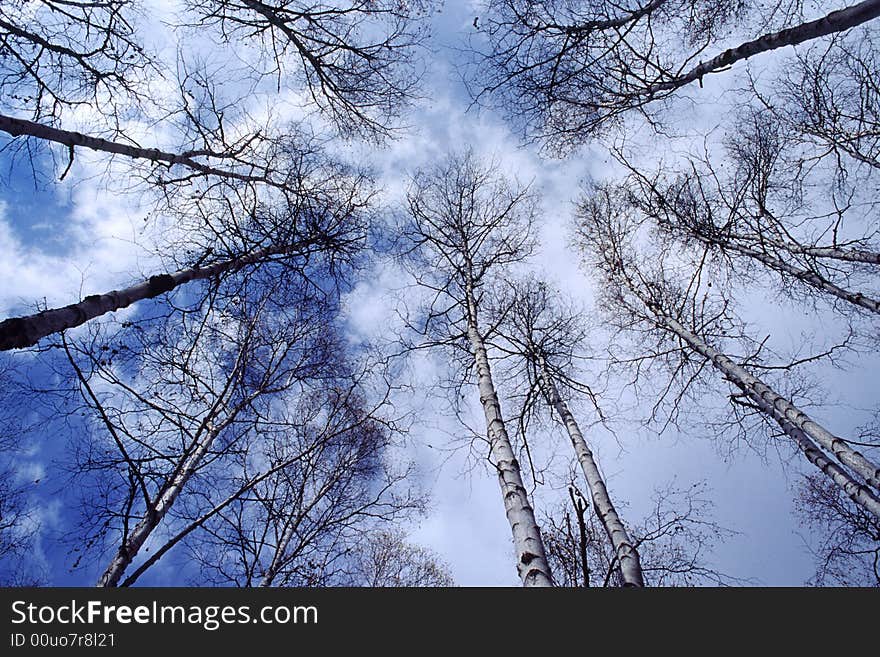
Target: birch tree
[757,206]
[568,70]
[357,59]
[687,318]
[676,539]
[466,226]
[825,98]
[202,388]
[56,54]
[541,334]
[300,525]
[325,222]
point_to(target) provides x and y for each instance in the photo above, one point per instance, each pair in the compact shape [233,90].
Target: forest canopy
[571,293]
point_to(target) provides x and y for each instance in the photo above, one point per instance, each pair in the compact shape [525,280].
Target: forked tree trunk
[836,21]
[531,558]
[26,331]
[201,520]
[154,515]
[627,554]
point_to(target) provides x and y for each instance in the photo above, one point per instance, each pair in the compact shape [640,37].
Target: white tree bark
[627,555]
[20,332]
[22,127]
[278,555]
[836,21]
[154,515]
[831,252]
[531,558]
[810,278]
[805,431]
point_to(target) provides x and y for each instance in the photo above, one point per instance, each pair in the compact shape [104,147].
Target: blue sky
[60,240]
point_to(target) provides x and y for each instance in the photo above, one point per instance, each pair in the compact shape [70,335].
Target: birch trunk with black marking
[201,520]
[531,559]
[828,252]
[806,432]
[154,515]
[26,331]
[806,276]
[72,140]
[836,21]
[627,554]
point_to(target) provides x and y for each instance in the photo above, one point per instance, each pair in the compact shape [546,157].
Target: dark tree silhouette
[675,541]
[565,70]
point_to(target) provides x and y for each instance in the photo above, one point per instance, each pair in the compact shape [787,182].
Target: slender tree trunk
[278,556]
[154,515]
[201,520]
[844,254]
[22,127]
[836,21]
[628,556]
[831,252]
[531,559]
[287,535]
[580,509]
[805,431]
[26,331]
[808,277]
[859,493]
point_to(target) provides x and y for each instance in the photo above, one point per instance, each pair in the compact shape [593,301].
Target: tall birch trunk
[627,554]
[806,276]
[836,21]
[26,331]
[829,252]
[796,424]
[531,559]
[278,556]
[22,127]
[154,515]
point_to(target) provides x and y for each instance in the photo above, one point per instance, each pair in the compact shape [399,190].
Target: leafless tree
[221,146]
[748,208]
[326,220]
[567,69]
[845,539]
[20,525]
[18,530]
[357,58]
[176,400]
[387,558]
[62,53]
[687,319]
[675,541]
[543,338]
[299,526]
[826,98]
[466,226]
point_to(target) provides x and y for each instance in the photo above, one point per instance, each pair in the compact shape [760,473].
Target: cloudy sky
[63,240]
